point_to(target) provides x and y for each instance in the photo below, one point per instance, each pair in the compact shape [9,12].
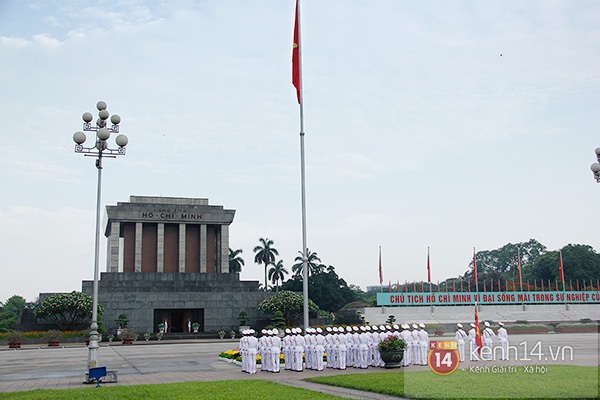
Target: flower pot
[14,345]
[392,359]
[53,343]
[127,340]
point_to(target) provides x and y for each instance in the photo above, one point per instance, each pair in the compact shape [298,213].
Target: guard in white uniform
[473,353]
[503,339]
[460,337]
[488,338]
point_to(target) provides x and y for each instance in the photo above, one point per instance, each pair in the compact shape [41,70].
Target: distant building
[168,260]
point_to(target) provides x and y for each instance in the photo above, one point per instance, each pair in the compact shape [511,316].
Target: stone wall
[137,295]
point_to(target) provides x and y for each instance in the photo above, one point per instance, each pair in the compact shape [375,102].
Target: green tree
[290,304]
[265,254]
[70,311]
[579,262]
[9,312]
[277,273]
[235,260]
[313,261]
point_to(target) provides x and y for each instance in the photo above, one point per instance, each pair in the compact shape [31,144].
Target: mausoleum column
[112,261]
[181,248]
[203,248]
[224,249]
[160,248]
[138,247]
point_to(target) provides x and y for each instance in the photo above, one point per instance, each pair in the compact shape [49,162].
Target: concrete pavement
[39,367]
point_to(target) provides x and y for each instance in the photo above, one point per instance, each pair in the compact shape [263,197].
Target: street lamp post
[100,150]
[596,166]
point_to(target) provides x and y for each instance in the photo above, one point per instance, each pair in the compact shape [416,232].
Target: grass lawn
[558,381]
[214,390]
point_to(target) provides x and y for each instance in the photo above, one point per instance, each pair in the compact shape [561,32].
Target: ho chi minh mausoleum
[168,259]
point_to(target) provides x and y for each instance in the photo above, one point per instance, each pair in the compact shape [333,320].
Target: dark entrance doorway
[179,320]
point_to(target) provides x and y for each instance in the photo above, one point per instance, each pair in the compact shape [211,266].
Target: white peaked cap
[319,330]
[367,328]
[348,328]
[487,324]
[500,323]
[472,325]
[396,326]
[335,329]
[288,330]
[355,328]
[422,325]
[415,326]
[375,328]
[405,326]
[275,331]
[252,331]
[382,327]
[263,331]
[459,325]
[328,329]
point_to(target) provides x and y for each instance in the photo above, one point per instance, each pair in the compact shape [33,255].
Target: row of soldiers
[343,347]
[487,336]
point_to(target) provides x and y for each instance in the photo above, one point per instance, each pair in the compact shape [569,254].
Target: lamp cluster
[596,166]
[103,133]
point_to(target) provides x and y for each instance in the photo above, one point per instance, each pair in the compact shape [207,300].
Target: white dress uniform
[298,350]
[285,347]
[416,349]
[405,335]
[349,338]
[460,337]
[328,346]
[473,353]
[252,350]
[275,351]
[423,343]
[320,349]
[488,338]
[503,339]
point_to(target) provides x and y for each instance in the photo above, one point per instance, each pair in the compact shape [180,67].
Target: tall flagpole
[298,47]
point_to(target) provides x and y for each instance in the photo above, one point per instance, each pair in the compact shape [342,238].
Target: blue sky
[451,125]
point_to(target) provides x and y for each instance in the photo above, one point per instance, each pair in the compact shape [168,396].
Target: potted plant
[147,336]
[15,339]
[232,334]
[127,335]
[392,351]
[159,336]
[221,334]
[196,326]
[53,337]
[110,337]
[161,327]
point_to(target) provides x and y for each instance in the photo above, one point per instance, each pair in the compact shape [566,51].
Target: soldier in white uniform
[320,349]
[503,339]
[460,337]
[298,350]
[416,349]
[488,339]
[251,351]
[405,335]
[473,354]
[285,348]
[349,358]
[423,343]
[275,350]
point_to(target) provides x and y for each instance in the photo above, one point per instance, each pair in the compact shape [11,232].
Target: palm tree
[265,254]
[313,267]
[235,261]
[276,273]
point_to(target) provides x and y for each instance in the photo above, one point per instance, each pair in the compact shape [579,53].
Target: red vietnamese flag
[561,272]
[478,340]
[380,270]
[296,58]
[519,270]
[475,270]
[428,267]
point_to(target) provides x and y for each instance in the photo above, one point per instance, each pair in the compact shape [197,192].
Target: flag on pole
[428,267]
[380,270]
[561,272]
[478,340]
[475,271]
[519,269]
[296,56]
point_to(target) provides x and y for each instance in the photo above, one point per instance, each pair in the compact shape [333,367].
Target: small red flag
[519,269]
[422,285]
[380,270]
[296,57]
[454,286]
[474,268]
[484,287]
[428,267]
[461,285]
[561,271]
